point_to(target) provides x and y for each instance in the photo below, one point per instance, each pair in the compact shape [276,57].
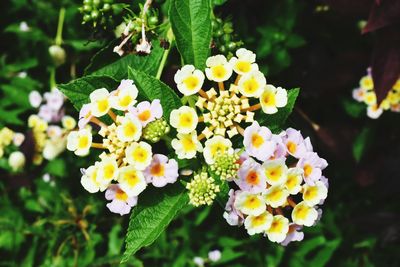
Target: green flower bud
[58,54]
[226,166]
[155,130]
[202,189]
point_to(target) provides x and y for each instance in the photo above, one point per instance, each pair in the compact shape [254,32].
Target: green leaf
[78,90]
[149,219]
[56,167]
[191,24]
[353,108]
[362,143]
[106,62]
[275,121]
[152,88]
[219,2]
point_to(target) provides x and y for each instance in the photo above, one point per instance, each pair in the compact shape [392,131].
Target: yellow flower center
[275,195]
[109,171]
[268,99]
[83,141]
[258,220]
[130,129]
[274,173]
[102,105]
[191,82]
[217,148]
[307,170]
[252,202]
[157,170]
[218,71]
[186,120]
[131,177]
[145,115]
[188,144]
[291,182]
[276,227]
[292,147]
[140,154]
[251,85]
[121,195]
[302,212]
[257,140]
[310,193]
[243,66]
[125,101]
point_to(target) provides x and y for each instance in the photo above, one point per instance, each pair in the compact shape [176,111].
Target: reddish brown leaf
[383,13]
[386,60]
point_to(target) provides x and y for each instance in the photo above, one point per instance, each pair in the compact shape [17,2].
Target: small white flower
[129,128]
[273,98]
[249,204]
[24,27]
[131,181]
[189,80]
[139,155]
[125,95]
[184,119]
[162,171]
[186,145]
[79,142]
[244,62]
[214,255]
[107,171]
[218,69]
[374,111]
[258,224]
[275,171]
[279,229]
[16,160]
[252,84]
[100,102]
[147,112]
[276,196]
[215,146]
[35,99]
[258,141]
[313,194]
[18,139]
[294,180]
[68,122]
[89,179]
[304,214]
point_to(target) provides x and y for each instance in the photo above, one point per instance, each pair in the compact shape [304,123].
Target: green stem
[53,83]
[60,25]
[170,37]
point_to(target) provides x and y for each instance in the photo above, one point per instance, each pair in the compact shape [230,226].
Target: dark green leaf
[191,24]
[149,219]
[362,142]
[152,88]
[106,62]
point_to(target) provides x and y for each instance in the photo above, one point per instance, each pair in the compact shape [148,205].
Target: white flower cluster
[128,163]
[365,93]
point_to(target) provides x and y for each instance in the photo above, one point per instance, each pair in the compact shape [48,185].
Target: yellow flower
[184,119]
[258,224]
[79,142]
[68,122]
[313,194]
[276,196]
[100,102]
[131,181]
[189,80]
[304,214]
[244,62]
[294,180]
[186,145]
[125,95]
[279,229]
[367,83]
[249,204]
[275,171]
[216,146]
[139,155]
[218,69]
[129,128]
[107,171]
[252,84]
[273,98]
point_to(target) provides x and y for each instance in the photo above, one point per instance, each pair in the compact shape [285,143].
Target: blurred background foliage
[49,220]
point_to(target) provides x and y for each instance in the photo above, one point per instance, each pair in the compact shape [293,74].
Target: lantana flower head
[365,93]
[128,163]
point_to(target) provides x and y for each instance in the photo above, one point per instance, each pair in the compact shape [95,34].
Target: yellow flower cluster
[365,93]
[6,137]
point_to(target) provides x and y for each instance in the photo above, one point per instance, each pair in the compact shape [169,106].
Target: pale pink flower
[280,149]
[359,94]
[120,202]
[85,116]
[251,177]
[294,234]
[232,216]
[46,113]
[161,171]
[147,112]
[257,141]
[54,99]
[294,143]
[312,166]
